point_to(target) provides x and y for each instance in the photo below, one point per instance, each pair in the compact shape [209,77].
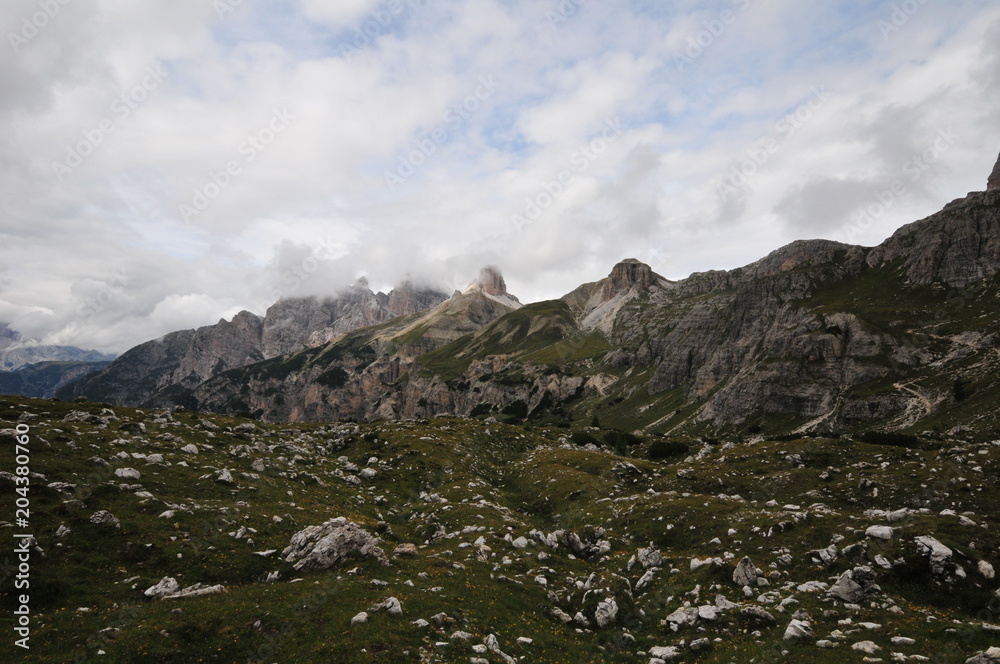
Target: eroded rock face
[330,544]
[491,282]
[625,276]
[994,180]
[151,373]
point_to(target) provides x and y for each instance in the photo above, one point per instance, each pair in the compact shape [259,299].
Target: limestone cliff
[157,371]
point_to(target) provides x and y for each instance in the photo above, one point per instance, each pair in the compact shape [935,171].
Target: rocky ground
[172,536]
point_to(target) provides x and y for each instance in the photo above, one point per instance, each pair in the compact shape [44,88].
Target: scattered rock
[855,585]
[392,606]
[197,590]
[940,557]
[885,533]
[105,517]
[167,586]
[798,630]
[868,647]
[359,619]
[330,544]
[758,614]
[746,574]
[665,653]
[606,613]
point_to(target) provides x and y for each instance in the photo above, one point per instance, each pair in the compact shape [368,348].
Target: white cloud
[320,181]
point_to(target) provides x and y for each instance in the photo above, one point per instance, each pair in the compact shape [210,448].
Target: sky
[167,164]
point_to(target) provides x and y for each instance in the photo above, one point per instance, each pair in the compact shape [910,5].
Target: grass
[500,482]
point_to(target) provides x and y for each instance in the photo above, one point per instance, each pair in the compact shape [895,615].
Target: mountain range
[30,368]
[818,336]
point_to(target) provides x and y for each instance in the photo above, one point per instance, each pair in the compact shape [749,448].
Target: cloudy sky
[165,164]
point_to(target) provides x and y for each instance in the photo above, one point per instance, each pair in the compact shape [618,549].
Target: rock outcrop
[994,180]
[330,545]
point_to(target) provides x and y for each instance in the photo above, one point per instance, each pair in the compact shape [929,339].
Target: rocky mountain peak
[994,180]
[490,281]
[407,298]
[8,335]
[630,273]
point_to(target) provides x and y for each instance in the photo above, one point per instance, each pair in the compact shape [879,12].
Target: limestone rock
[885,533]
[758,614]
[166,586]
[868,647]
[665,653]
[855,585]
[798,630]
[391,605]
[105,517]
[649,558]
[197,590]
[331,544]
[940,558]
[606,613]
[994,180]
[745,574]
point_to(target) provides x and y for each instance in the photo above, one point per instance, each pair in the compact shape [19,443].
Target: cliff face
[817,335]
[156,372]
[994,180]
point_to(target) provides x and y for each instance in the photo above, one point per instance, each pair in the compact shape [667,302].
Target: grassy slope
[505,480]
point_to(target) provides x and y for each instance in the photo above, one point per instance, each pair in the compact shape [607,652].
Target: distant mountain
[44,379]
[30,369]
[155,372]
[16,352]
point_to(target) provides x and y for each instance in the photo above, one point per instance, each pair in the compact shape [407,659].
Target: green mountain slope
[514,530]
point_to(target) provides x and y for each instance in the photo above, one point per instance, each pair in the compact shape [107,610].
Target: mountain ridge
[817,334]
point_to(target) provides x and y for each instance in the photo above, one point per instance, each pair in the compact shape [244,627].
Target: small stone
[884,533]
[798,630]
[746,573]
[166,586]
[868,647]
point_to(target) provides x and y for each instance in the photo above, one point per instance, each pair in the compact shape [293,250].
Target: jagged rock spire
[630,273]
[994,181]
[490,281]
